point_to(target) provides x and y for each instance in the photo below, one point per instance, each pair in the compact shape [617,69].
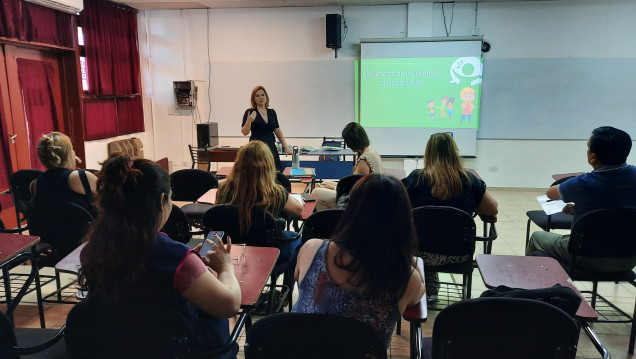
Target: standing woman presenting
[262,122]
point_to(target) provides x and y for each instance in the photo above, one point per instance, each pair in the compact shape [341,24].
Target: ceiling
[224,4]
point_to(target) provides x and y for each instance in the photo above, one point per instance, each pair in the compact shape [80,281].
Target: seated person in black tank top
[60,182]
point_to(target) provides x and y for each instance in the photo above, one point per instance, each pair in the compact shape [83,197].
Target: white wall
[174,46]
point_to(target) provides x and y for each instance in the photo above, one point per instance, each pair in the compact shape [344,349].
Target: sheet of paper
[297,197]
[550,206]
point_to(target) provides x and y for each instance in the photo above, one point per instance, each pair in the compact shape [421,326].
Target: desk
[532,273]
[309,180]
[416,315]
[13,252]
[252,274]
[219,154]
[559,176]
[208,197]
[223,171]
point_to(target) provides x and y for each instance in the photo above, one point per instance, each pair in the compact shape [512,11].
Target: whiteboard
[311,98]
[558,98]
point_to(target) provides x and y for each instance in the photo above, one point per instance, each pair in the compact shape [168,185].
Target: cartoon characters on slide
[445,108]
[468,95]
[442,107]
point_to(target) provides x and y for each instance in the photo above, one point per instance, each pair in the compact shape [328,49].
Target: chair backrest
[395,172]
[19,183]
[282,180]
[301,335]
[604,234]
[177,226]
[224,217]
[345,184]
[322,224]
[444,230]
[62,225]
[504,328]
[199,155]
[39,340]
[126,329]
[190,184]
[333,142]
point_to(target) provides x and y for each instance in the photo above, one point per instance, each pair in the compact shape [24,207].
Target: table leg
[7,289]
[595,339]
[416,340]
[38,288]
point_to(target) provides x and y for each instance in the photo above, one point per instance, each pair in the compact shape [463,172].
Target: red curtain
[100,117]
[46,25]
[130,115]
[30,22]
[112,61]
[36,81]
[112,54]
[5,167]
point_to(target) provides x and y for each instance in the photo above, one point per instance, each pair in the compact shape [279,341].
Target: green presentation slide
[439,92]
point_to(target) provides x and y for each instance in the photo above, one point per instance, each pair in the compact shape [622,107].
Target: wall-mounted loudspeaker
[208,134]
[334,31]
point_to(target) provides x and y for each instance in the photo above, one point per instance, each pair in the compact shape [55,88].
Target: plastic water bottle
[295,157]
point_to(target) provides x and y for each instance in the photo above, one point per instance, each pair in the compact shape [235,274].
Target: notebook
[303,172]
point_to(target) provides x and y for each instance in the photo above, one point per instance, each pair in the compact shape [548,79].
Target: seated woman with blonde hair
[252,183]
[444,182]
[62,182]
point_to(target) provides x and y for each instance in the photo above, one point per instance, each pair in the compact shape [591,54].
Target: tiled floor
[511,225]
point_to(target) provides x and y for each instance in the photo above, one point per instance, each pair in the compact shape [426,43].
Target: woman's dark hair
[377,230]
[355,136]
[129,196]
[610,145]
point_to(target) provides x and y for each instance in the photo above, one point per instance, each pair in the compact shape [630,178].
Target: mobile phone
[307,197]
[206,246]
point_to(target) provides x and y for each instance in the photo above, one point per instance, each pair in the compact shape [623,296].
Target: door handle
[12,138]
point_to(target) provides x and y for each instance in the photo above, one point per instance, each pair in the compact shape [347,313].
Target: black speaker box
[334,31]
[208,134]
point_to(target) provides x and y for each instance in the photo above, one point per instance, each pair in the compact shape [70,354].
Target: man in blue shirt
[612,184]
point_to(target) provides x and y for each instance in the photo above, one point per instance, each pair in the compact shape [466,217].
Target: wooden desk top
[559,176]
[13,244]
[308,208]
[223,171]
[526,272]
[71,263]
[254,270]
[252,274]
[208,197]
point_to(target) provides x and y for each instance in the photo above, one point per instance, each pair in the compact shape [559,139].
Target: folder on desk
[303,172]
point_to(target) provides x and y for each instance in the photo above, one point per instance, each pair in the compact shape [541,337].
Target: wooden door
[34,92]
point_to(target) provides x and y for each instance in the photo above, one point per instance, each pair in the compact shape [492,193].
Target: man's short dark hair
[355,136]
[610,145]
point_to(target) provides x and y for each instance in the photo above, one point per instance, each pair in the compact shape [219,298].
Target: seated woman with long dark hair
[127,257]
[366,270]
[444,182]
[252,183]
